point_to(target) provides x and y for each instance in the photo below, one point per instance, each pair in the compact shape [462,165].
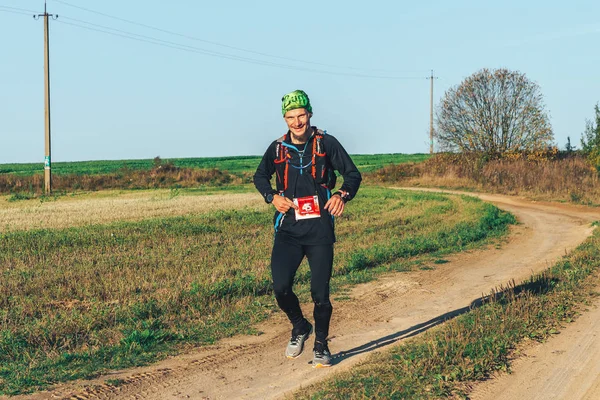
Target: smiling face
[298,122]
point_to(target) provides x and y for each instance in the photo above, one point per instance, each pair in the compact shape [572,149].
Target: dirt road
[379,313]
[567,366]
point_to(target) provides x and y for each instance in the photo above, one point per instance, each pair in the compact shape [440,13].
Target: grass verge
[444,361]
[79,301]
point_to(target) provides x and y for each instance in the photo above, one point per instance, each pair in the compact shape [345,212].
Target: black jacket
[301,183]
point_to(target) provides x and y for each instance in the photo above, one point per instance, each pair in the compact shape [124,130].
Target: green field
[234,165]
[82,300]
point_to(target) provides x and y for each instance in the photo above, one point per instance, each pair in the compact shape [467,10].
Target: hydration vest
[321,171]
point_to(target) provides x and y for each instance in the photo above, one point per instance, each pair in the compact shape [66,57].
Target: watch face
[270,198]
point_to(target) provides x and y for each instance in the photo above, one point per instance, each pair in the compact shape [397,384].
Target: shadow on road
[535,286]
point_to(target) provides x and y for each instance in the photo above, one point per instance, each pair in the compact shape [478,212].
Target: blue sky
[218,93]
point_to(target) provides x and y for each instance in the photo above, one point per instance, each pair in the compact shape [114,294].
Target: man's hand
[335,205]
[283,204]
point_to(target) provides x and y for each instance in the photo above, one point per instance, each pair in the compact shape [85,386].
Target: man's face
[298,121]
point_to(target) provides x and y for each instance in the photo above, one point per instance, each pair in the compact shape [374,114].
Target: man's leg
[285,260]
[320,258]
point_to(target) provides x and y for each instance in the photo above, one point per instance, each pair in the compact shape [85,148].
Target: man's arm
[264,172]
[341,162]
[262,182]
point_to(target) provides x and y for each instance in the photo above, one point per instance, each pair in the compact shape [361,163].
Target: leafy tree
[590,139]
[493,111]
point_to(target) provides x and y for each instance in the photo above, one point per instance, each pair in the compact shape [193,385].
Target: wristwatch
[343,194]
[269,198]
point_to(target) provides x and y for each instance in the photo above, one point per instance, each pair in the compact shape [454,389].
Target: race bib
[308,207]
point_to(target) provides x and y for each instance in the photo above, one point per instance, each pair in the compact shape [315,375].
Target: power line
[14,12]
[198,50]
[19,9]
[165,43]
[155,41]
[216,43]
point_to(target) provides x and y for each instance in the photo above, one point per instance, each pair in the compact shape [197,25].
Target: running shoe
[322,355]
[296,343]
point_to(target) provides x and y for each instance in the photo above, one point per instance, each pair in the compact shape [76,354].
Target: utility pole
[431,114]
[47,147]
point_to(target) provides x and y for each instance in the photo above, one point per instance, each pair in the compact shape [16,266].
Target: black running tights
[285,260]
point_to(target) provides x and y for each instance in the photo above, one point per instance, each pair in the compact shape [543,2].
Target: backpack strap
[317,150]
[281,156]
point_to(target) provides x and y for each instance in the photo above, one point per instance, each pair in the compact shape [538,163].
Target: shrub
[590,140]
[549,173]
[162,175]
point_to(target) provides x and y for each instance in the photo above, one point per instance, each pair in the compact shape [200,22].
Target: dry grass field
[114,205]
[546,176]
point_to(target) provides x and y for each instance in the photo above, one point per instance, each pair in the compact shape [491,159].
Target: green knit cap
[295,99]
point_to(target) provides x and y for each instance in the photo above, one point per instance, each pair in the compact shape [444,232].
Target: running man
[304,161]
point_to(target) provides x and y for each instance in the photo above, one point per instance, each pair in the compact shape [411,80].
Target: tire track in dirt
[378,314]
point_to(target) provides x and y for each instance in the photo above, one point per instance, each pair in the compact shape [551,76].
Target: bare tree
[493,111]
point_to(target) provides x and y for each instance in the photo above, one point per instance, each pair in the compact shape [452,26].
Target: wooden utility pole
[431,114]
[47,147]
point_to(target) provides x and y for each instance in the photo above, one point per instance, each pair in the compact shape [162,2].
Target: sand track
[378,314]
